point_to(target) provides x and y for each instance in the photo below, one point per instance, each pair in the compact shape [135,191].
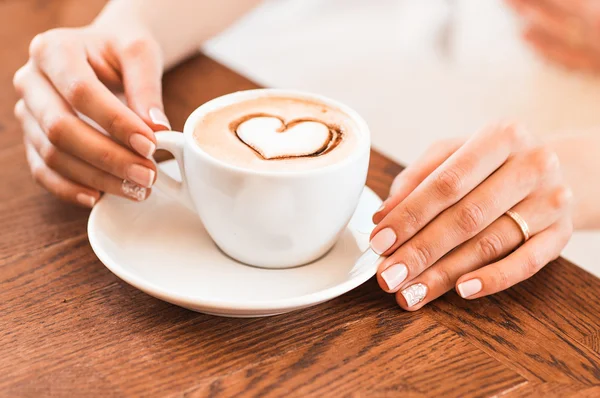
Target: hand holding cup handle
[173,142]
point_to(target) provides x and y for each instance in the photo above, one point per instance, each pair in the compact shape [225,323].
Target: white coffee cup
[271,219]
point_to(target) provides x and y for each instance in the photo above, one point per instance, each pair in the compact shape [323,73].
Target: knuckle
[533,263]
[139,47]
[490,246]
[46,41]
[514,133]
[50,155]
[19,110]
[97,181]
[561,197]
[422,255]
[18,80]
[469,218]
[39,44]
[55,128]
[444,278]
[106,157]
[448,183]
[411,219]
[115,122]
[501,280]
[544,161]
[77,91]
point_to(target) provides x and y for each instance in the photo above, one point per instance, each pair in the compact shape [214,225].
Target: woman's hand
[564,31]
[71,72]
[444,224]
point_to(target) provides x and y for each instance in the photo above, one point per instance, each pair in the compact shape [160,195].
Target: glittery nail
[133,190]
[414,294]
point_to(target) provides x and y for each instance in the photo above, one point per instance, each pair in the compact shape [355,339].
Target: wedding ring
[521,223]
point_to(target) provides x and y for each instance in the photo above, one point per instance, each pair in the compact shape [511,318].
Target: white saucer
[161,248]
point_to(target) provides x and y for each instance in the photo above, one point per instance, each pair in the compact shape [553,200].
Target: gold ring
[516,217]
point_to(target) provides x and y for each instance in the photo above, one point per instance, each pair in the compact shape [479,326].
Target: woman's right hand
[70,73]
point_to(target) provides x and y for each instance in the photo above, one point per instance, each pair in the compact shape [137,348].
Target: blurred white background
[417,70]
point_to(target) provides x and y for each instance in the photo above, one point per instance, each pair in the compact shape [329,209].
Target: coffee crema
[277,133]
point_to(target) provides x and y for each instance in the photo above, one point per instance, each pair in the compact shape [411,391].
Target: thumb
[142,69]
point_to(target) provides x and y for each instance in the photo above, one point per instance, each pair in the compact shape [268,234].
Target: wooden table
[70,327]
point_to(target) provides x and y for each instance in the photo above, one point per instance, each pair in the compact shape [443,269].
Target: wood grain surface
[69,327]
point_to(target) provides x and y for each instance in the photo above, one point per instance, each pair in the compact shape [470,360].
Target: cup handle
[173,142]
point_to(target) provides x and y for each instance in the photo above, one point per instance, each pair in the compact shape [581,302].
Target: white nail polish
[414,294]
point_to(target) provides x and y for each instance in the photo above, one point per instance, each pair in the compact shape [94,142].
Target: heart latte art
[277,133]
[272,138]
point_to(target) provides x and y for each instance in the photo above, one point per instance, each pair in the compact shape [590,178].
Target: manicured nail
[469,288]
[141,175]
[414,294]
[383,240]
[142,145]
[85,199]
[158,117]
[380,208]
[394,275]
[133,191]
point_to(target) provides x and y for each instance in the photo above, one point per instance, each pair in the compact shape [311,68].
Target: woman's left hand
[445,223]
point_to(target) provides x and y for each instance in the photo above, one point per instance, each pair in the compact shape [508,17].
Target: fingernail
[414,294]
[469,288]
[141,175]
[133,191]
[85,199]
[142,145]
[394,275]
[383,240]
[158,117]
[380,208]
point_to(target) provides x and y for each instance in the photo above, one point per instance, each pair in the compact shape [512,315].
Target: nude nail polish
[85,199]
[158,117]
[394,275]
[141,175]
[142,145]
[469,288]
[383,240]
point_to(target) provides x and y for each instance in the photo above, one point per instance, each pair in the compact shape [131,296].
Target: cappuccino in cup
[277,133]
[274,175]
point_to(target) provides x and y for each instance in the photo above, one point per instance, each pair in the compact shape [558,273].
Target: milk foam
[277,133]
[272,138]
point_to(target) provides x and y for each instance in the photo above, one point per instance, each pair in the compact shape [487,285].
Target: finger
[518,266]
[65,63]
[493,243]
[546,16]
[569,57]
[414,174]
[501,191]
[58,185]
[464,170]
[141,62]
[71,135]
[74,169]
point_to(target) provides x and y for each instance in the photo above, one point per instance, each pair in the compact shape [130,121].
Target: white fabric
[389,60]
